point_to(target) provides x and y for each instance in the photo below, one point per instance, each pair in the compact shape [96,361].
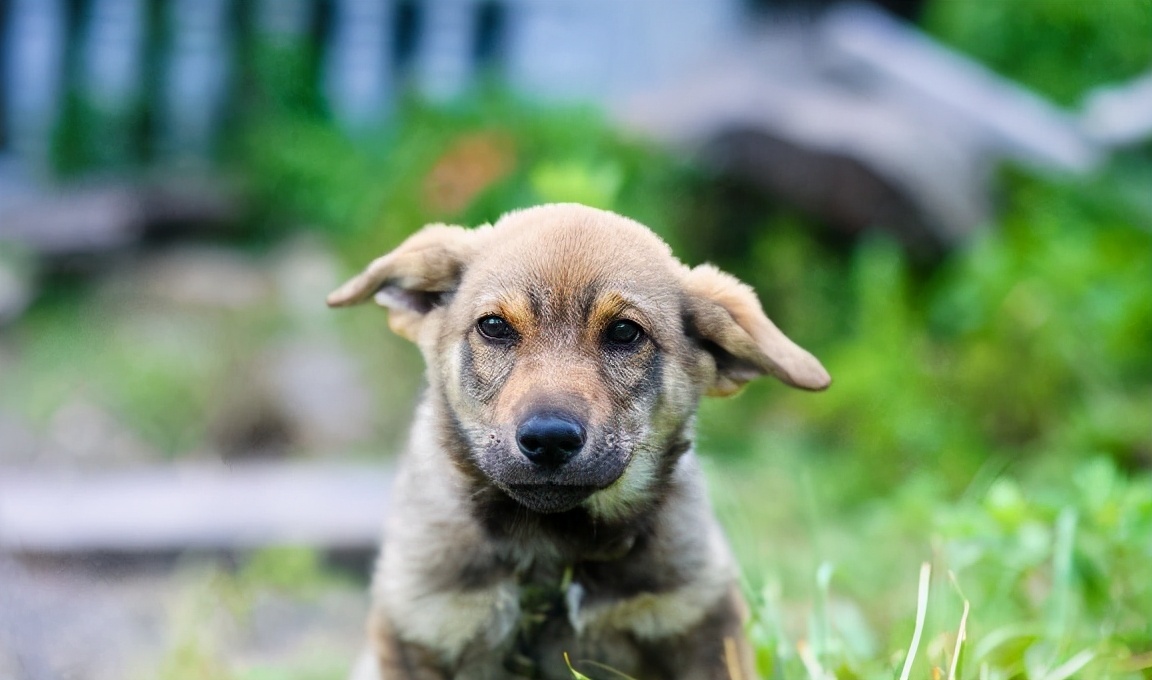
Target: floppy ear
[726,316]
[413,279]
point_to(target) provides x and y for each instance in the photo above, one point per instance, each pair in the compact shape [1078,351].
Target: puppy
[549,509]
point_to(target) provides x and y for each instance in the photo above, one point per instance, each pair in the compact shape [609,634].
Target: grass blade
[576,675]
[732,659]
[811,664]
[921,613]
[961,633]
[1071,666]
[1063,576]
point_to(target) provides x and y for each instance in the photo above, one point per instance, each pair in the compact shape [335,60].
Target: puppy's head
[570,348]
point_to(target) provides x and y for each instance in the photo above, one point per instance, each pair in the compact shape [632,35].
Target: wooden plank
[83,220]
[192,506]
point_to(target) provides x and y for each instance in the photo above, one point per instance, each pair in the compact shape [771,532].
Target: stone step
[192,506]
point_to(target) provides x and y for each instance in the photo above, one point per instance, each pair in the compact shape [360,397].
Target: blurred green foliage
[293,569]
[467,164]
[1030,340]
[163,372]
[212,612]
[1060,48]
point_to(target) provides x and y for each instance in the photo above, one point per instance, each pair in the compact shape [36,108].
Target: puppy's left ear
[413,279]
[726,315]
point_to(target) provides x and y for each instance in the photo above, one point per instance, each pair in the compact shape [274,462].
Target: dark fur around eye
[623,333]
[495,328]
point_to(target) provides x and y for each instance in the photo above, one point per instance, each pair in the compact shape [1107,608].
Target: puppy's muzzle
[558,461]
[550,440]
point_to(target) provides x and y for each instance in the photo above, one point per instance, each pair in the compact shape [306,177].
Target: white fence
[176,63]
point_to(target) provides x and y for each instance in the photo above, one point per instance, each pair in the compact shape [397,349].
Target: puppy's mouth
[548,491]
[549,498]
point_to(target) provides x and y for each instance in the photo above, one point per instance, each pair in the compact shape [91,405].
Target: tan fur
[494,564]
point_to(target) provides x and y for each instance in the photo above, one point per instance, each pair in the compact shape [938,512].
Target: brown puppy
[549,502]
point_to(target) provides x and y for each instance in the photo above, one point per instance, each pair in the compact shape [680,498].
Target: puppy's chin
[549,498]
[551,491]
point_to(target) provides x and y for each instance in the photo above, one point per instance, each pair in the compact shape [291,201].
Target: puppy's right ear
[413,279]
[744,342]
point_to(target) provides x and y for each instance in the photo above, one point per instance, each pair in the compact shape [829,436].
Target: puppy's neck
[562,537]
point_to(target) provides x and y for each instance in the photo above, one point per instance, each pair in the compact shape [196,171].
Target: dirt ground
[172,618]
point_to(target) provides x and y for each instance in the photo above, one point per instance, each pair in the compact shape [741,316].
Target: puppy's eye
[495,328]
[622,333]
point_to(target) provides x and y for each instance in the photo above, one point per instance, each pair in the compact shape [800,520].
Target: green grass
[1059,48]
[1055,573]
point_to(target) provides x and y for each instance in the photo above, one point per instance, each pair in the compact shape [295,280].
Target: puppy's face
[564,359]
[570,349]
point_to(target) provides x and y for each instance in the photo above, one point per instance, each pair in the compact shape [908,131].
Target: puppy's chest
[570,610]
[547,613]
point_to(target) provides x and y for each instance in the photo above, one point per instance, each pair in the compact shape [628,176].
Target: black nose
[549,439]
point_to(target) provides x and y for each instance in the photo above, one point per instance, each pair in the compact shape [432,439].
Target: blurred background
[949,202]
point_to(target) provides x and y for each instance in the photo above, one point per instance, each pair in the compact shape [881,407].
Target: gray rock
[319,388]
[304,271]
[1120,115]
[17,282]
[102,218]
[196,278]
[18,443]
[862,121]
[84,433]
[88,220]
